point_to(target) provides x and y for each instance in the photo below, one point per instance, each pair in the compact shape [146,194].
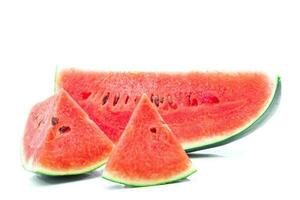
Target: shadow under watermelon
[44,180]
[121,186]
[204,155]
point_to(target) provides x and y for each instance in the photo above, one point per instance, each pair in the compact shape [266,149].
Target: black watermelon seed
[54,121]
[105,98]
[116,99]
[64,129]
[153,130]
[40,122]
[151,98]
[126,100]
[156,101]
[161,100]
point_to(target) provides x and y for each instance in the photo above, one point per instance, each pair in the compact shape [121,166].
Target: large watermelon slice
[60,139]
[203,109]
[148,153]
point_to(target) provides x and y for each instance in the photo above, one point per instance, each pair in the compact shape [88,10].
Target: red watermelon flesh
[60,139]
[147,153]
[202,109]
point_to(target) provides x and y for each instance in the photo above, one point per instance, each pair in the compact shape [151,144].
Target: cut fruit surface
[203,110]
[60,139]
[148,153]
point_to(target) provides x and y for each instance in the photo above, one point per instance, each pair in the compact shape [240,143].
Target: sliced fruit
[203,110]
[148,153]
[60,139]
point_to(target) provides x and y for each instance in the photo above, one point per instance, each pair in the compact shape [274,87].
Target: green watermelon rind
[243,131]
[49,172]
[132,183]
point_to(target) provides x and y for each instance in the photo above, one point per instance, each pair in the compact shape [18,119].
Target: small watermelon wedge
[148,153]
[60,139]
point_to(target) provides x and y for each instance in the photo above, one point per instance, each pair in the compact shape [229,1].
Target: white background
[36,36]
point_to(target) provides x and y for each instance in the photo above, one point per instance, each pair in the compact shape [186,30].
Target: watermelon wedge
[60,139]
[148,153]
[203,110]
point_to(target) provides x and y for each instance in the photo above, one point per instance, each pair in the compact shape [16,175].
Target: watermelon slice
[148,153]
[203,110]
[60,139]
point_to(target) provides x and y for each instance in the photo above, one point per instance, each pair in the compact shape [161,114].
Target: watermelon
[60,139]
[203,109]
[147,153]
